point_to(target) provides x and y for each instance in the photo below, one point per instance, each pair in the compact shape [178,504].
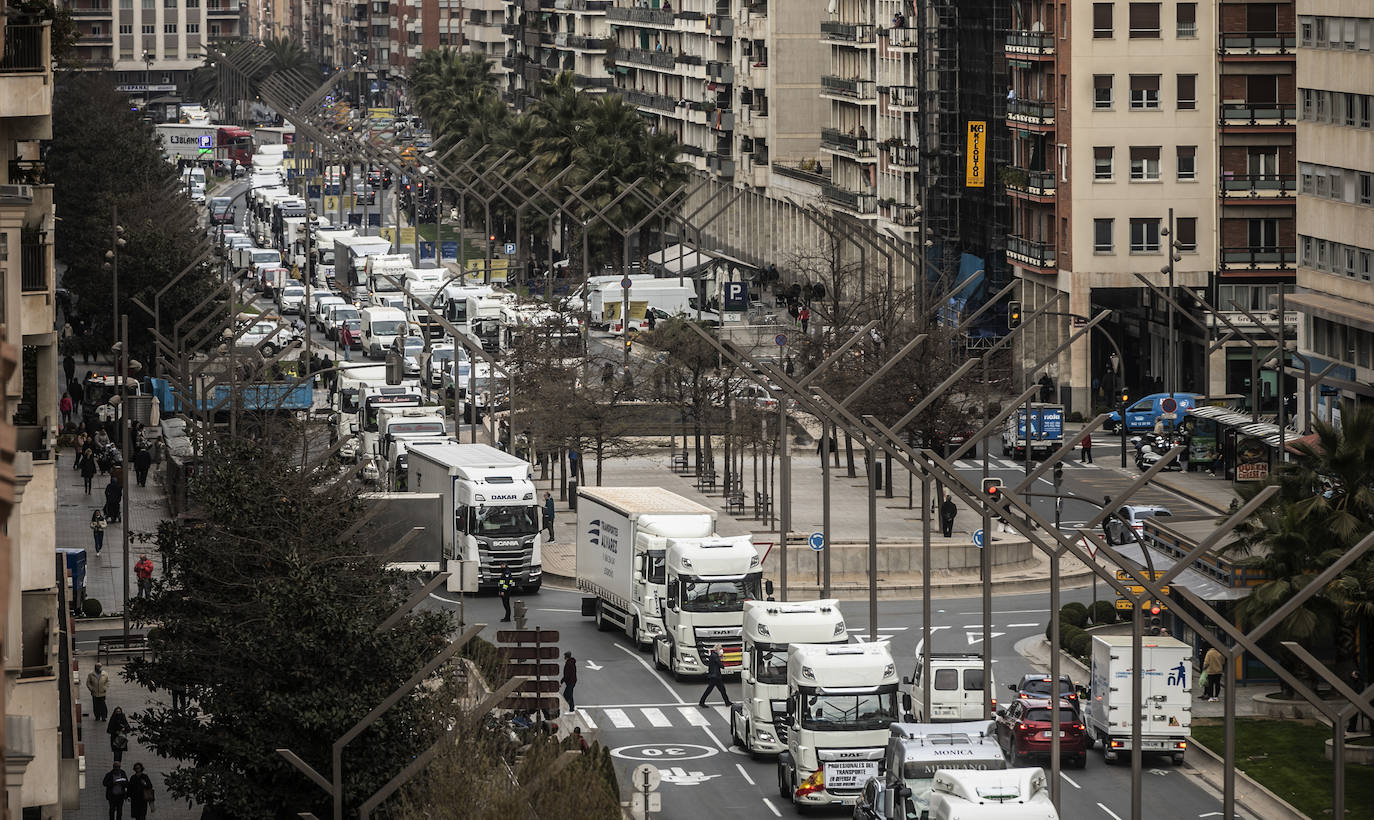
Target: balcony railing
[901,38]
[836,140]
[852,200]
[96,7]
[902,96]
[905,215]
[657,17]
[1031,43]
[581,81]
[33,277]
[1031,112]
[1035,183]
[1258,258]
[808,171]
[590,5]
[585,43]
[846,87]
[722,26]
[904,155]
[649,100]
[1258,42]
[23,49]
[722,165]
[720,72]
[1259,114]
[508,29]
[1260,186]
[1031,251]
[28,172]
[643,56]
[848,32]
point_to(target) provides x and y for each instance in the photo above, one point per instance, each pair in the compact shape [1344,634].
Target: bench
[734,502]
[678,463]
[706,482]
[111,645]
[763,505]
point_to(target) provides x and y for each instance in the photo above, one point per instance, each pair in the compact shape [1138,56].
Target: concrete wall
[852,559]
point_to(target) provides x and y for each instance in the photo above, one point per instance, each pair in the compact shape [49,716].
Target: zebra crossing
[652,716]
[1008,464]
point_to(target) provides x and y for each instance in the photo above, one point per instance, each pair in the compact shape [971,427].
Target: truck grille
[729,639]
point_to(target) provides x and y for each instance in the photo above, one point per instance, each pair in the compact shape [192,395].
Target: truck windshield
[874,710]
[386,327]
[380,283]
[770,664]
[507,521]
[706,595]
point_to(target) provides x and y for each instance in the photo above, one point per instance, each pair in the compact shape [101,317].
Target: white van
[957,689]
[381,326]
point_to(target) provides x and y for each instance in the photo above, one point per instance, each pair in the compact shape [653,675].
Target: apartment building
[1335,72]
[152,46]
[1112,111]
[41,712]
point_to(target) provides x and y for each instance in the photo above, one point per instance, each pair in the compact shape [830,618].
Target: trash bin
[572,494]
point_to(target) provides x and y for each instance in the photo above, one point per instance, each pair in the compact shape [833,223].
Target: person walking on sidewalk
[140,793]
[504,585]
[569,680]
[116,785]
[143,570]
[1087,457]
[88,466]
[549,510]
[64,406]
[98,525]
[98,684]
[948,511]
[143,460]
[1213,664]
[118,728]
[714,667]
[113,495]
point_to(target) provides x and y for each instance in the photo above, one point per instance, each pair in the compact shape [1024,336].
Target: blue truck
[1144,412]
[1046,431]
[257,397]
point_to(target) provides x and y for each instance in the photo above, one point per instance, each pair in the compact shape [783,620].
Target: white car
[266,328]
[291,298]
[1129,519]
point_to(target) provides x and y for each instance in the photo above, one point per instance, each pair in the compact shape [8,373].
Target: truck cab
[397,423]
[915,753]
[769,628]
[1009,794]
[840,702]
[957,689]
[706,586]
[1143,413]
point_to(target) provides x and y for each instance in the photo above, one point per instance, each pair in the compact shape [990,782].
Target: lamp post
[112,264]
[147,80]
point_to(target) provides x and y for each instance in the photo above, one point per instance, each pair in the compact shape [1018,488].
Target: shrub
[1104,612]
[1074,613]
[1079,644]
[92,608]
[1067,634]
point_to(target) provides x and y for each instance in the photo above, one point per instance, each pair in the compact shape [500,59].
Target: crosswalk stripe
[587,718]
[723,711]
[619,719]
[657,718]
[694,716]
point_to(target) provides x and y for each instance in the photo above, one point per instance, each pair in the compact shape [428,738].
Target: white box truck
[494,513]
[769,628]
[1010,794]
[651,564]
[1167,714]
[841,702]
[350,255]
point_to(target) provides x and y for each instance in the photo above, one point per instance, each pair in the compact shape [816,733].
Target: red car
[1023,729]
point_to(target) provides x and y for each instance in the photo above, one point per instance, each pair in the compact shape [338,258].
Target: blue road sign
[736,296]
[205,141]
[978,539]
[780,339]
[626,283]
[817,541]
[510,249]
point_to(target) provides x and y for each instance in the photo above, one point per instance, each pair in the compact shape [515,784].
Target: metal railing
[903,96]
[1038,253]
[656,17]
[1259,185]
[853,200]
[837,140]
[1258,258]
[904,154]
[1258,114]
[643,56]
[33,277]
[1031,42]
[815,174]
[1040,183]
[901,38]
[24,49]
[849,87]
[1256,42]
[1035,111]
[848,32]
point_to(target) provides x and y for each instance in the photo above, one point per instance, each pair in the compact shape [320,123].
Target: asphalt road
[645,716]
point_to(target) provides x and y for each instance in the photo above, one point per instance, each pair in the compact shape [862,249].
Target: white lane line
[652,671]
[656,718]
[1109,812]
[587,718]
[744,774]
[1069,780]
[1009,612]
[771,807]
[619,719]
[1019,626]
[694,716]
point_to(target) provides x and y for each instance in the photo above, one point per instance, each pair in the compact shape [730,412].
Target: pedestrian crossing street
[1008,464]
[653,716]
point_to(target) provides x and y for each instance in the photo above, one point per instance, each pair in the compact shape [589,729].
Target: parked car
[1024,726]
[1131,518]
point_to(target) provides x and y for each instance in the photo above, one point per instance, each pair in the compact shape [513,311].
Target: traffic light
[1125,398]
[1013,315]
[629,343]
[1058,474]
[1156,623]
[992,490]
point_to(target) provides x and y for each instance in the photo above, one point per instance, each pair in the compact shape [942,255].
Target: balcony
[508,29]
[645,57]
[849,88]
[901,38]
[1032,253]
[903,97]
[838,142]
[1258,44]
[721,120]
[1033,44]
[1261,187]
[593,83]
[1258,115]
[1036,185]
[91,8]
[722,26]
[223,9]
[853,201]
[33,276]
[646,99]
[903,155]
[720,72]
[26,81]
[580,42]
[652,17]
[1258,259]
[721,164]
[805,171]
[908,216]
[595,6]
[858,33]
[1034,114]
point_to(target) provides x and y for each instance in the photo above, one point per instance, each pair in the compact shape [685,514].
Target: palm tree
[288,55]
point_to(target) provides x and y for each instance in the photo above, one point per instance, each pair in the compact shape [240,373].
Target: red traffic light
[1155,610]
[992,489]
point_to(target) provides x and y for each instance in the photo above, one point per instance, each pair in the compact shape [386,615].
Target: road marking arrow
[682,777]
[977,637]
[1160,772]
[595,667]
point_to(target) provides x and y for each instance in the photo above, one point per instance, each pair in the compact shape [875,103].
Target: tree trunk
[600,454]
[849,455]
[887,470]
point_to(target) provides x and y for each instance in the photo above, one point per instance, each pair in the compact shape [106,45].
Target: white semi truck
[652,565]
[769,628]
[1167,713]
[396,425]
[1009,794]
[841,701]
[916,753]
[494,517]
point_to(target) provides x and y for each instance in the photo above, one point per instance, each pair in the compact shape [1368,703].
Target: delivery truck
[350,263]
[1046,431]
[492,512]
[1167,715]
[651,565]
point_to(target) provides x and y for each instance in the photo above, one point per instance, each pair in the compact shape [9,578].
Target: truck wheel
[1081,762]
[1178,758]
[734,735]
[269,349]
[658,664]
[783,792]
[533,588]
[601,625]
[634,637]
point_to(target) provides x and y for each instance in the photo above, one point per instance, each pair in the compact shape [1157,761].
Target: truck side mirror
[1011,686]
[639,564]
[768,587]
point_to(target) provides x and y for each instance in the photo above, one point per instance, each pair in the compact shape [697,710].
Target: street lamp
[147,81]
[112,264]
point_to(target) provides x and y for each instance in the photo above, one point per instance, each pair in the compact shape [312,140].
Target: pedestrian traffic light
[1013,315]
[992,490]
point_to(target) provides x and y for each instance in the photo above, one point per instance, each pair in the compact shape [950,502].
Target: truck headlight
[654,629]
[763,736]
[839,629]
[688,657]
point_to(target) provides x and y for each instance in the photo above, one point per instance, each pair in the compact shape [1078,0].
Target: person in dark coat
[569,679]
[714,667]
[116,785]
[113,495]
[118,728]
[948,511]
[143,459]
[140,793]
[87,464]
[549,510]
[69,366]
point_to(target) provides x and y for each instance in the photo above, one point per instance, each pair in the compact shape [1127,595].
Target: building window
[1366,262]
[1144,236]
[1305,26]
[149,28]
[1144,92]
[1102,235]
[126,28]
[1145,163]
[1102,91]
[1102,163]
[1144,21]
[126,5]
[1366,189]
[148,5]
[1186,14]
[193,28]
[169,4]
[1185,233]
[1264,234]
[192,4]
[1102,21]
[169,28]
[1187,92]
[1187,163]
